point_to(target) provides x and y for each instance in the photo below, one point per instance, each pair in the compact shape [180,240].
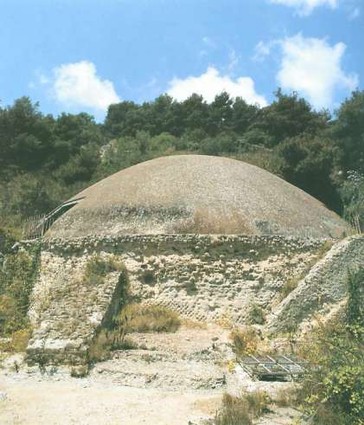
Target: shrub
[132,318]
[17,277]
[242,410]
[234,411]
[245,341]
[18,341]
[80,371]
[334,390]
[256,314]
[355,306]
[98,268]
[139,318]
[99,349]
[148,277]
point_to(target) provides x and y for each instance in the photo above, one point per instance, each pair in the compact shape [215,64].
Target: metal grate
[274,368]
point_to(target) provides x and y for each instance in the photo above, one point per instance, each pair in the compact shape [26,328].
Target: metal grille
[274,368]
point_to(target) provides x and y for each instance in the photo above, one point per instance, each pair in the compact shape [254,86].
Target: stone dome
[196,194]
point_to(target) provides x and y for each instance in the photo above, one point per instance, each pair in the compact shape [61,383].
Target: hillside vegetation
[46,159]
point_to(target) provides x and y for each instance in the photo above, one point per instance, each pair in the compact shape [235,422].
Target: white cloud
[262,50]
[354,13]
[233,60]
[78,85]
[209,42]
[212,83]
[305,7]
[313,68]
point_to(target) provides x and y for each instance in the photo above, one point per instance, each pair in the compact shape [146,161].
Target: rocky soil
[170,379]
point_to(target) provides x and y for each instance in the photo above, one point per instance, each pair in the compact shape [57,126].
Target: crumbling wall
[323,287]
[203,277]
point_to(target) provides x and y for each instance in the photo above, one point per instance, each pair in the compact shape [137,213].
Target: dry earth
[84,401]
[175,379]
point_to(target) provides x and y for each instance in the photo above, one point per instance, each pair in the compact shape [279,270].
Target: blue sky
[82,55]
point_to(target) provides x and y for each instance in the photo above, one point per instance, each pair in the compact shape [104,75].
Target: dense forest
[46,159]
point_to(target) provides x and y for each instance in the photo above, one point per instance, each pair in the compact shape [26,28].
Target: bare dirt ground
[175,379]
[82,401]
[105,396]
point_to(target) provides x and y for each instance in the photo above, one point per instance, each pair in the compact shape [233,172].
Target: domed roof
[196,194]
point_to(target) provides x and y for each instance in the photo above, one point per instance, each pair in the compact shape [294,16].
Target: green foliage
[352,192]
[289,116]
[334,390]
[307,162]
[223,143]
[45,160]
[17,277]
[348,133]
[355,305]
[256,314]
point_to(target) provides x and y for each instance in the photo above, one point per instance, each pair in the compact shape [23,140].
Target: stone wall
[203,277]
[324,286]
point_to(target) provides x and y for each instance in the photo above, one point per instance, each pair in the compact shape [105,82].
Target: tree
[289,116]
[193,114]
[121,118]
[348,132]
[307,162]
[220,114]
[243,115]
[26,136]
[352,193]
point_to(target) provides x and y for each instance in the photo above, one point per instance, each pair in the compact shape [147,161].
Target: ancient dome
[196,194]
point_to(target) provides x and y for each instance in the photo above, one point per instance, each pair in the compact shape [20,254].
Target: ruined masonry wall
[324,286]
[203,277]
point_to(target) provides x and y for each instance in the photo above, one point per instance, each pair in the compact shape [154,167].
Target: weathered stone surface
[196,194]
[323,287]
[208,278]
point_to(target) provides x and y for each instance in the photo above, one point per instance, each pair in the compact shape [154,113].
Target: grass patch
[132,318]
[17,342]
[153,318]
[244,340]
[194,324]
[106,342]
[242,410]
[97,268]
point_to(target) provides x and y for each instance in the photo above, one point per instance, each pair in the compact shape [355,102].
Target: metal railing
[35,227]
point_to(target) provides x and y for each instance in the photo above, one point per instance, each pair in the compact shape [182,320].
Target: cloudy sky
[82,55]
